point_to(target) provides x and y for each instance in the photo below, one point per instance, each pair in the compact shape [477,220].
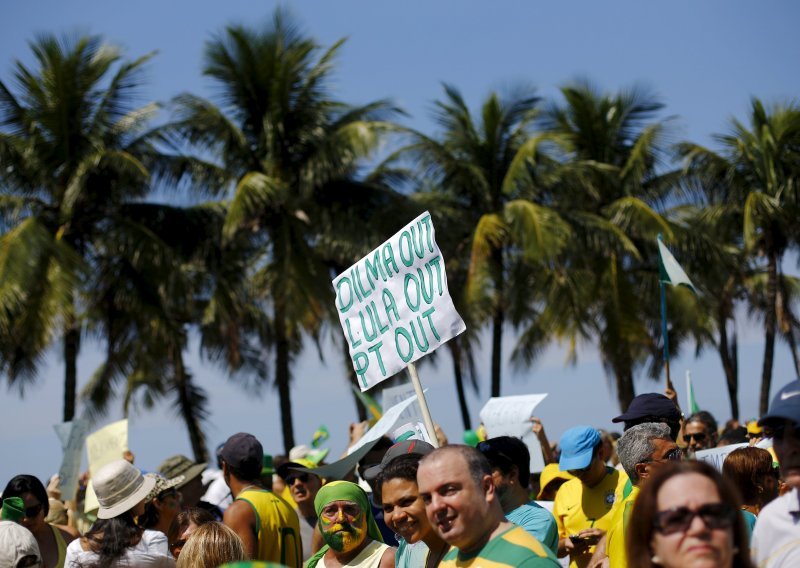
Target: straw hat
[120,487]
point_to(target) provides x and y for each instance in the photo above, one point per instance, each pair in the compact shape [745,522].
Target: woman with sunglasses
[162,504]
[751,471]
[52,539]
[686,516]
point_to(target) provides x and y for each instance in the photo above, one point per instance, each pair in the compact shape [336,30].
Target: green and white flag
[670,271]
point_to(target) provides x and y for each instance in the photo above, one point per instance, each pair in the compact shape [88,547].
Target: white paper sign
[715,456]
[510,416]
[395,395]
[384,425]
[72,435]
[394,304]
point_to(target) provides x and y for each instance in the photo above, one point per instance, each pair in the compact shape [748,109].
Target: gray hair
[635,445]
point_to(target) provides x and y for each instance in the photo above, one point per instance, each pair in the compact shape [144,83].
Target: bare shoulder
[68,533]
[238,512]
[387,559]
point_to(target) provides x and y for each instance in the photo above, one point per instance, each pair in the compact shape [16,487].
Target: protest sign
[104,446]
[394,305]
[72,436]
[510,416]
[397,394]
[716,456]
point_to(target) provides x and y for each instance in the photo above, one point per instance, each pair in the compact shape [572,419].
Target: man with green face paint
[351,536]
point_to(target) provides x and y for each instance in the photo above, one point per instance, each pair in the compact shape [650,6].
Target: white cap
[16,542]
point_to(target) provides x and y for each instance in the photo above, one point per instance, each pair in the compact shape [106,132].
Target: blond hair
[210,545]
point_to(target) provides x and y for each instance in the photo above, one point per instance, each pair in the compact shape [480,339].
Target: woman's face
[685,539]
[34,513]
[138,509]
[404,510]
[169,505]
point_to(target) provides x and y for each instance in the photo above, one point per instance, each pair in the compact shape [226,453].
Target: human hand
[537,427]
[357,431]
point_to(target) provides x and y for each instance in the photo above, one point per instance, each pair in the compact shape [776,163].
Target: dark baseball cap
[650,404]
[243,452]
[511,451]
[404,448]
[785,405]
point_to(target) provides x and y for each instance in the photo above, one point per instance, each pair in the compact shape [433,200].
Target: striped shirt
[512,548]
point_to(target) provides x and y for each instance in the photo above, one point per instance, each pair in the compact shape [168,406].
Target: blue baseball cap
[577,446]
[785,405]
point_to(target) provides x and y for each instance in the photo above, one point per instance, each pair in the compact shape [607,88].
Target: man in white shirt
[776,537]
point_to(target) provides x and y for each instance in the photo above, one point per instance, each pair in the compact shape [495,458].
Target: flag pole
[664,334]
[423,404]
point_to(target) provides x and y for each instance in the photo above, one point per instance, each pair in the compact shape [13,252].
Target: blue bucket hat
[577,446]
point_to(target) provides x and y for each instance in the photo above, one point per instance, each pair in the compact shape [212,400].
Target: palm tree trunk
[728,356]
[353,378]
[455,352]
[187,409]
[282,376]
[497,322]
[72,339]
[769,327]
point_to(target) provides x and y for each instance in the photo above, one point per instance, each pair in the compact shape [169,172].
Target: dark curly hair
[110,538]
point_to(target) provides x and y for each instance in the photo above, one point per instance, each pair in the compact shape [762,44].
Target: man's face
[697,436]
[303,486]
[502,485]
[592,474]
[665,451]
[456,506]
[785,436]
[192,492]
[343,525]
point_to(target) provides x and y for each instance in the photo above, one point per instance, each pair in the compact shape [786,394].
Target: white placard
[395,395]
[72,435]
[510,416]
[715,456]
[394,304]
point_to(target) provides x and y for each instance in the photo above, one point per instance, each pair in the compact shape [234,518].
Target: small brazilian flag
[369,403]
[320,436]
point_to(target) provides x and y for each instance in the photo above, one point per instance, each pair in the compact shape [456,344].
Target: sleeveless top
[61,545]
[277,528]
[370,557]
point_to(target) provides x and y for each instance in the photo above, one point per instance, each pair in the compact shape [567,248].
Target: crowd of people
[641,499]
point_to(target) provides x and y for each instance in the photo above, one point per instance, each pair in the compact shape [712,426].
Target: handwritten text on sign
[394,304]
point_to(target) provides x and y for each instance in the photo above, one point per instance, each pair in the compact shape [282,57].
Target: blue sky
[704,59]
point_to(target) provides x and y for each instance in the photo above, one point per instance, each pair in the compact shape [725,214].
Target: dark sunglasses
[714,515]
[673,455]
[31,512]
[778,431]
[700,437]
[290,479]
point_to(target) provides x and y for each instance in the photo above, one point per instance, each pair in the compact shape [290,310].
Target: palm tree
[476,160]
[759,167]
[287,147]
[605,183]
[73,153]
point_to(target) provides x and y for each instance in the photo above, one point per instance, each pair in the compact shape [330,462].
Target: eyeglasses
[290,479]
[579,472]
[674,454]
[714,515]
[778,431]
[31,512]
[700,437]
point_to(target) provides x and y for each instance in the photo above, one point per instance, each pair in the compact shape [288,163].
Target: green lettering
[410,277]
[353,343]
[418,250]
[428,297]
[426,220]
[364,293]
[369,335]
[406,236]
[427,314]
[361,363]
[388,259]
[340,296]
[398,332]
[389,305]
[375,316]
[420,346]
[374,268]
[435,262]
[376,349]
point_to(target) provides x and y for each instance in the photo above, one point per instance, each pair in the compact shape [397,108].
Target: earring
[655,559]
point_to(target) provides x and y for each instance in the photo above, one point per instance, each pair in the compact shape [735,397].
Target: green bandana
[343,491]
[13,509]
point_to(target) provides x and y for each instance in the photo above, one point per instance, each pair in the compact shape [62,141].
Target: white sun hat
[120,487]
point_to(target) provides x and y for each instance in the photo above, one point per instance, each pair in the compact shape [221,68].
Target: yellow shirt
[615,537]
[277,528]
[578,507]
